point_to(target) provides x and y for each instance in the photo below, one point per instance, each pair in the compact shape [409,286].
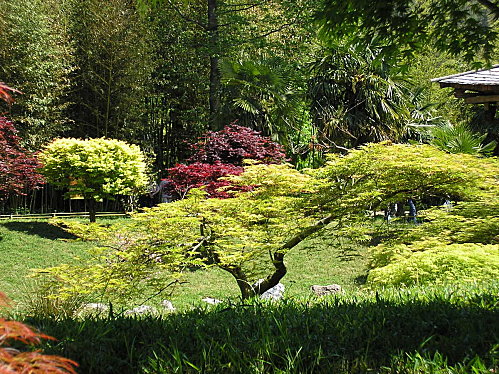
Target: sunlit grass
[37,244]
[29,245]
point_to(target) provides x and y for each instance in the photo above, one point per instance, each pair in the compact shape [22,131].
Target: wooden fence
[59,215]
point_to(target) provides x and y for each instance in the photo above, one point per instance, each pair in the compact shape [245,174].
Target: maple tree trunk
[91,209]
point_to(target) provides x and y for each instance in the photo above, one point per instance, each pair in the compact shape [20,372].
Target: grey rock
[95,307]
[168,306]
[274,293]
[211,300]
[141,309]
[326,290]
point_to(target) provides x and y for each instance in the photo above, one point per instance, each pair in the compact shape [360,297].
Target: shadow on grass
[37,228]
[361,279]
[335,336]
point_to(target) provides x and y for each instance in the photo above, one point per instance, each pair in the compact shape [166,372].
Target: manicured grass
[37,244]
[26,245]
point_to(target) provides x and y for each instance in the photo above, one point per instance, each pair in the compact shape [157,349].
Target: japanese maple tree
[184,177]
[18,168]
[234,144]
[219,154]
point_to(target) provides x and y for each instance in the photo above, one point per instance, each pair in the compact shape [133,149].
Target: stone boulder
[142,309]
[211,300]
[274,293]
[95,307]
[168,306]
[331,289]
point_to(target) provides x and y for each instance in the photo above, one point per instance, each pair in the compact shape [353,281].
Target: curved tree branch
[492,7]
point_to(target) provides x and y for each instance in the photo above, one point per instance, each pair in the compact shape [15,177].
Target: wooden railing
[60,215]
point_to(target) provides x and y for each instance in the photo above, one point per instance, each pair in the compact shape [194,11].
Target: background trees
[461,27]
[357,97]
[37,59]
[114,63]
[147,71]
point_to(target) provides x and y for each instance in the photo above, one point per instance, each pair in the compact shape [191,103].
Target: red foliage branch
[5,93]
[219,154]
[234,144]
[184,177]
[15,361]
[18,169]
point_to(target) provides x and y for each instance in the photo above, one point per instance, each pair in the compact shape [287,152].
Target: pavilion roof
[475,80]
[483,83]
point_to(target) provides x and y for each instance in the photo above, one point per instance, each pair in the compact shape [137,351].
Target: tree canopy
[249,235]
[94,168]
[461,27]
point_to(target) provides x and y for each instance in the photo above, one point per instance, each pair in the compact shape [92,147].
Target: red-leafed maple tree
[219,154]
[17,172]
[234,144]
[185,177]
[18,168]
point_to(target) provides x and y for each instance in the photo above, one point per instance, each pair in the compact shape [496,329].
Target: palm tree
[460,139]
[356,98]
[262,96]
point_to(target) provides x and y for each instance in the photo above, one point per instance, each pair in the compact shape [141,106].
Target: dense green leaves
[461,27]
[460,139]
[94,168]
[453,243]
[114,63]
[36,58]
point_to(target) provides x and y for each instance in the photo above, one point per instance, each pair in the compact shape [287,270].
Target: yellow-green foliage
[94,168]
[158,245]
[377,174]
[440,264]
[248,235]
[454,243]
[369,178]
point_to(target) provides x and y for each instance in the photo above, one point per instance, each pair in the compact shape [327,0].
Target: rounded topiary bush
[440,264]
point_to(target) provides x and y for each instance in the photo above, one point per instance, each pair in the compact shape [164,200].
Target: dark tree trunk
[91,209]
[215,76]
[273,279]
[278,257]
[250,290]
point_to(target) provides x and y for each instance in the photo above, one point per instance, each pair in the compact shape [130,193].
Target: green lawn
[415,330]
[37,244]
[25,245]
